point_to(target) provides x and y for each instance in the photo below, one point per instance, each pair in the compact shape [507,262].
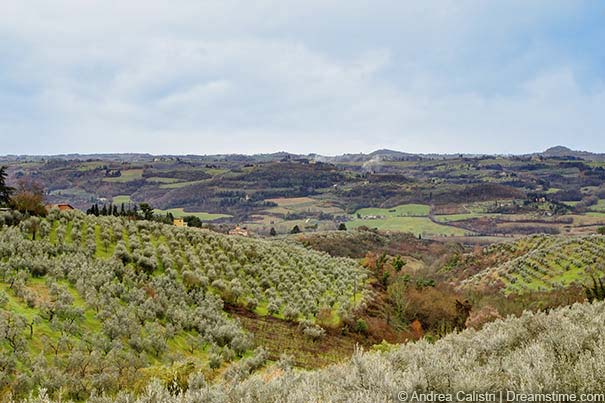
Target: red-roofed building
[61,206]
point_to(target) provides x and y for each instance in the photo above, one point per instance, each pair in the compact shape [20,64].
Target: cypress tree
[5,191]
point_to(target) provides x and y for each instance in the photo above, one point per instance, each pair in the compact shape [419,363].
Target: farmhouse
[239,231]
[179,222]
[61,206]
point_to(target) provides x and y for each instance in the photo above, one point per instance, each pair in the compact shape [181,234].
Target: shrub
[478,319]
[361,326]
[313,332]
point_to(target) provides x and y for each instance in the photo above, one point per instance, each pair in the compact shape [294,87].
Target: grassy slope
[536,356]
[104,251]
[415,225]
[542,263]
[404,210]
[127,176]
[280,337]
[405,218]
[179,212]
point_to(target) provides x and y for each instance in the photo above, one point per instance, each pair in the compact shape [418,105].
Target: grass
[404,218]
[590,218]
[599,207]
[291,201]
[545,263]
[183,345]
[461,217]
[117,200]
[216,171]
[571,203]
[90,165]
[180,212]
[404,210]
[128,175]
[264,223]
[72,192]
[415,225]
[159,179]
[484,207]
[277,335]
[42,330]
[303,205]
[596,214]
[178,185]
[281,337]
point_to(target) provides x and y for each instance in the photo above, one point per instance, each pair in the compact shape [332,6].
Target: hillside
[102,303]
[559,352]
[541,263]
[457,195]
[563,152]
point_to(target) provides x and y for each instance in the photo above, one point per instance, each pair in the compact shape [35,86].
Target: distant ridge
[384,154]
[562,151]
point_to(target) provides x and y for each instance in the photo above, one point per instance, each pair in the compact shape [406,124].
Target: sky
[309,76]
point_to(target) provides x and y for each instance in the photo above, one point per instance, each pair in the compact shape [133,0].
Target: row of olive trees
[556,354]
[276,275]
[124,322]
[105,297]
[545,260]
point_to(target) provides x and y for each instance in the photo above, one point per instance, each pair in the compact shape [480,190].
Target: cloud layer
[329,76]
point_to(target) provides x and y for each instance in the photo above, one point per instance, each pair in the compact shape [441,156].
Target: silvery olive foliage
[550,262]
[562,351]
[100,298]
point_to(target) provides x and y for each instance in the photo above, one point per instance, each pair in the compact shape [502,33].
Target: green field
[303,205]
[571,203]
[415,225]
[216,171]
[404,218]
[117,200]
[159,179]
[176,185]
[461,217]
[127,176]
[404,210]
[177,212]
[180,212]
[596,214]
[599,207]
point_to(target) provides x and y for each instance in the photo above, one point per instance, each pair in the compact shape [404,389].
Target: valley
[135,273]
[432,196]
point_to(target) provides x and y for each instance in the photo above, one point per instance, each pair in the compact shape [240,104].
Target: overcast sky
[325,76]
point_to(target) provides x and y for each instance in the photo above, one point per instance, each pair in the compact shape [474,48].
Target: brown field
[281,337]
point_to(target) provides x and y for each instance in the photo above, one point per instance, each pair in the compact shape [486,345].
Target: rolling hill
[542,263]
[101,303]
[552,355]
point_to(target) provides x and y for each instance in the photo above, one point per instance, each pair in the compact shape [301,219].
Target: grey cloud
[314,76]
